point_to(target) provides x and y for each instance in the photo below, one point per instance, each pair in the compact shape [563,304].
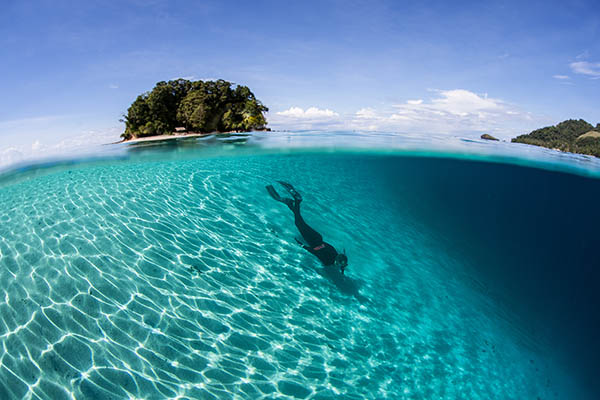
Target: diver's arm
[305,247]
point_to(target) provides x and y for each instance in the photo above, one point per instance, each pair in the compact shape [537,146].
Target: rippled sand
[182,279]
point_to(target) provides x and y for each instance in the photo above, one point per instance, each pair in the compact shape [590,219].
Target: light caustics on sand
[171,273]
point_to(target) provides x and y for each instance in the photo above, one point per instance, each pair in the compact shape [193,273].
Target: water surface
[166,270]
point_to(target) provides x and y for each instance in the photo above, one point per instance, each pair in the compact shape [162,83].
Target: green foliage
[211,106]
[564,136]
[590,145]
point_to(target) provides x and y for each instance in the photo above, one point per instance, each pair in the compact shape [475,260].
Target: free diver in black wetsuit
[325,252]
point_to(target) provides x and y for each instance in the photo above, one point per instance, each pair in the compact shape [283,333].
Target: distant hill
[575,136]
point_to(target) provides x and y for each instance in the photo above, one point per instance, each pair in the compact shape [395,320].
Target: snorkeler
[325,252]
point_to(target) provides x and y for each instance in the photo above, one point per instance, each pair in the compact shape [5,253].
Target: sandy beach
[164,137]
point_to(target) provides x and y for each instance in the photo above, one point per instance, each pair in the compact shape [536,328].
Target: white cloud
[456,111]
[10,155]
[366,113]
[36,145]
[561,77]
[311,118]
[83,143]
[310,113]
[462,102]
[113,86]
[586,68]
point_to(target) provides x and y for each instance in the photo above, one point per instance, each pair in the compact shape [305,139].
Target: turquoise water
[169,272]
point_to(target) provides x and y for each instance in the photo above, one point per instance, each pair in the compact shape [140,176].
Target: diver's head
[341,261]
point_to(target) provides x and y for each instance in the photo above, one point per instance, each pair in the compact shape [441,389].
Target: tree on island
[200,106]
[575,136]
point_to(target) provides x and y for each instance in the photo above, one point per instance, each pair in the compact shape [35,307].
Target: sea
[164,270]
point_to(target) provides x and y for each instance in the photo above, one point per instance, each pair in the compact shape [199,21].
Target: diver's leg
[288,202]
[292,190]
[312,237]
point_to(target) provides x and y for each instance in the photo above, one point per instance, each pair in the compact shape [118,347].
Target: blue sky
[70,68]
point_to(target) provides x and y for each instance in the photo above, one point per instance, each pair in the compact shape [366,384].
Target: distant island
[575,136]
[487,136]
[181,106]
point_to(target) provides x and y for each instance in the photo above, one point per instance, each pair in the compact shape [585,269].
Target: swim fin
[276,196]
[273,192]
[292,191]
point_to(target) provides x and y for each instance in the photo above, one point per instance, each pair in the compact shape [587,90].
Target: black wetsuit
[325,252]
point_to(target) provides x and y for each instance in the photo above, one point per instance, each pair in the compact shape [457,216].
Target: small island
[181,107]
[574,136]
[487,136]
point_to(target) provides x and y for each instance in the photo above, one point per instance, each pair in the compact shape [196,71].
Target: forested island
[198,107]
[575,136]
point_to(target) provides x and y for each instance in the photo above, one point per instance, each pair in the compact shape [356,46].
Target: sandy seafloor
[170,273]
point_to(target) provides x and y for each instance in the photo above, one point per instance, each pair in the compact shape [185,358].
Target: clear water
[168,272]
